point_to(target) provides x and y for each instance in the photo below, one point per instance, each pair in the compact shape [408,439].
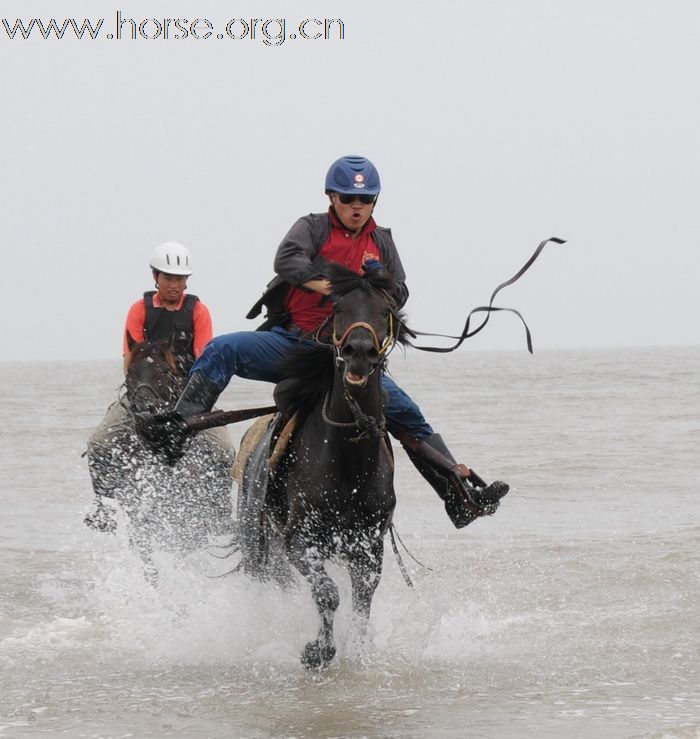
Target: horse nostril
[348,351]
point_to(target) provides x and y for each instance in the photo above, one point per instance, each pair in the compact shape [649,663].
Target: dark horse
[173,508]
[332,493]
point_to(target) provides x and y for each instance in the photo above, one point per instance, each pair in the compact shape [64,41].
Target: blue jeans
[255,355]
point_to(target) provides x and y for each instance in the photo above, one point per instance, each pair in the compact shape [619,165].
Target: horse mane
[344,280]
[150,349]
[309,369]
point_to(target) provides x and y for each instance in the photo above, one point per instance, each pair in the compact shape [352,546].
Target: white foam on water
[573,612]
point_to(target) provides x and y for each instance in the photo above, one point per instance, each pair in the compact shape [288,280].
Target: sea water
[572,612]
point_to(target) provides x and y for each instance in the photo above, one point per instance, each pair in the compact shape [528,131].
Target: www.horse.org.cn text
[268,31]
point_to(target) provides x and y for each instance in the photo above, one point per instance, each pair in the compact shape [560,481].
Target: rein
[488,309]
[367,425]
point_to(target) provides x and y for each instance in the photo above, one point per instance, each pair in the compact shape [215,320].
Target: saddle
[261,450]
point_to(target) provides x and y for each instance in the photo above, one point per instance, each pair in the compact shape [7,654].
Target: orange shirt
[201,318]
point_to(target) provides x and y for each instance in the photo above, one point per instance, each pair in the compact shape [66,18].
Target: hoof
[315,657]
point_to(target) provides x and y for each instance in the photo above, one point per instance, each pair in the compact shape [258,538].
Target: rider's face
[353,215]
[170,287]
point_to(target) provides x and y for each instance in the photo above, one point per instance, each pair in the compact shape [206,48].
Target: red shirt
[305,307]
[201,319]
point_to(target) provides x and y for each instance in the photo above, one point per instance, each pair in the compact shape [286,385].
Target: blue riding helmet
[352,175]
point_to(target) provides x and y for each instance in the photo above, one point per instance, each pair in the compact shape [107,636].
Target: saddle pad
[249,441]
[252,438]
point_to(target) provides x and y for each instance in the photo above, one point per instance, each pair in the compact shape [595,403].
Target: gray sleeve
[295,255]
[392,261]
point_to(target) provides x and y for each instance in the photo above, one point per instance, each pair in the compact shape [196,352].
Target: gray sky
[494,125]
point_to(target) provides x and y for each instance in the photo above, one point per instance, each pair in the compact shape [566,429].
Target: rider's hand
[371,265]
[319,285]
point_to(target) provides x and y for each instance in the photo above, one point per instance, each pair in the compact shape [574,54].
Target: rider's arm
[392,262]
[295,255]
[133,331]
[319,285]
[203,331]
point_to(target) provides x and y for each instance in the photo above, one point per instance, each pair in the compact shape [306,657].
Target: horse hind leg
[319,653]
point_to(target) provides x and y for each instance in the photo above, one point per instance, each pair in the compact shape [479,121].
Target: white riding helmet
[172,258]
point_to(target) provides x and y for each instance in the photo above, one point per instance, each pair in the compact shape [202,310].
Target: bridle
[367,425]
[383,349]
[147,391]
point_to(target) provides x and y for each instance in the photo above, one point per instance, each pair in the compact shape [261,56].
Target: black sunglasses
[364,199]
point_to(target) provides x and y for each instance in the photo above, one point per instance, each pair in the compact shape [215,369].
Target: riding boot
[199,396]
[466,495]
[166,433]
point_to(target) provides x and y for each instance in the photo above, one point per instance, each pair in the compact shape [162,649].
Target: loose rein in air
[488,309]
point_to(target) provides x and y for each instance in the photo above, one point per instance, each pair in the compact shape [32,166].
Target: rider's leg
[253,355]
[464,502]
[100,445]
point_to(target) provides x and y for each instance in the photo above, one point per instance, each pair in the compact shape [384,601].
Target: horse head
[152,381]
[351,345]
[365,323]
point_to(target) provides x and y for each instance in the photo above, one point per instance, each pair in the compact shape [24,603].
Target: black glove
[164,434]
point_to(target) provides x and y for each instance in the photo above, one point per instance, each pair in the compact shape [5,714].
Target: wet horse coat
[332,493]
[173,508]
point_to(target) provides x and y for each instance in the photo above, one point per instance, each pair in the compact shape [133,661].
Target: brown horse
[173,508]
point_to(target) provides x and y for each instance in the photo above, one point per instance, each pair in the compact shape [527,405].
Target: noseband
[383,349]
[366,425]
[146,389]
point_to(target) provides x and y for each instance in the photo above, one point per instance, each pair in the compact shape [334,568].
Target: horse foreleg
[365,568]
[365,565]
[145,551]
[319,653]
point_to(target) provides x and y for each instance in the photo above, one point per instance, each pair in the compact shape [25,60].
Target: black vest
[174,326]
